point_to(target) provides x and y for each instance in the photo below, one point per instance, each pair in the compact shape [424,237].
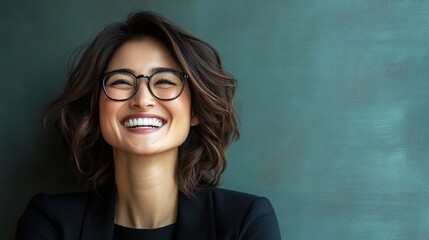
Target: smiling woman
[147,114]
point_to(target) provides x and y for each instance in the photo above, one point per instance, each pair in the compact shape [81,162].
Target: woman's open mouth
[144,123]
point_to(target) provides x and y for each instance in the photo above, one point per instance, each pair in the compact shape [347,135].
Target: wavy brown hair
[202,156]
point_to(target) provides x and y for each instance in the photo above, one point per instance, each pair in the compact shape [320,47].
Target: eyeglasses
[163,84]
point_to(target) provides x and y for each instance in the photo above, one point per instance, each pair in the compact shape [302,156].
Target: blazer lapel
[99,219]
[195,217]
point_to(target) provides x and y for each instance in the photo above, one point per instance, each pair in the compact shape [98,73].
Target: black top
[124,233]
[212,214]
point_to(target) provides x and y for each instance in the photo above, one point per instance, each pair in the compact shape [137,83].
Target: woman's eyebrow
[156,69]
[125,70]
[152,70]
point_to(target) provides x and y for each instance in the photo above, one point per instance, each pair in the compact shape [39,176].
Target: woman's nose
[143,97]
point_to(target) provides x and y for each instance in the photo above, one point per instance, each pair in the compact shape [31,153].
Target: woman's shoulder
[73,202]
[63,216]
[61,197]
[65,205]
[49,205]
[232,194]
[239,201]
[231,197]
[253,215]
[46,214]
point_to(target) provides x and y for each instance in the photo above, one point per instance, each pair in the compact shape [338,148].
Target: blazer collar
[98,223]
[195,217]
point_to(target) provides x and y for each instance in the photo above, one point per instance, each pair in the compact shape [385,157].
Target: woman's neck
[147,193]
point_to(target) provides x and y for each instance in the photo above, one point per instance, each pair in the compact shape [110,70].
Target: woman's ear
[194,121]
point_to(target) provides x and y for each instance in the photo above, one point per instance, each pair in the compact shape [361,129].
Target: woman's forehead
[142,56]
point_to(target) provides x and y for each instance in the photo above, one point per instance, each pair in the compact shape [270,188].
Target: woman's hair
[202,156]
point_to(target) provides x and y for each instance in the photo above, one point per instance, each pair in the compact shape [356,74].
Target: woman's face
[172,117]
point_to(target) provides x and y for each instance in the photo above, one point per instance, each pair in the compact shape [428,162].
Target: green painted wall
[333,98]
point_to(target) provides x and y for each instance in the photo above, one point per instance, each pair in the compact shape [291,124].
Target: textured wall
[333,98]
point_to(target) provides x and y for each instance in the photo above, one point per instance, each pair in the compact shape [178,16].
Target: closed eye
[120,83]
[165,81]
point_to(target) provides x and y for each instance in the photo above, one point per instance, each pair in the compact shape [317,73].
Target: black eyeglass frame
[183,77]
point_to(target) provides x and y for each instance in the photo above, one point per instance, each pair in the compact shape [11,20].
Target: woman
[147,114]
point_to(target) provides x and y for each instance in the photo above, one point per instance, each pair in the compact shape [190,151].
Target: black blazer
[213,214]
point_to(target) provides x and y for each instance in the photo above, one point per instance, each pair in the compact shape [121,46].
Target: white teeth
[144,122]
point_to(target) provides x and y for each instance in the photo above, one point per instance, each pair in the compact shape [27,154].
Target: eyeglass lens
[163,85]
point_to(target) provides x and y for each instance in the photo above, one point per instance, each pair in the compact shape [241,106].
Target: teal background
[333,102]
